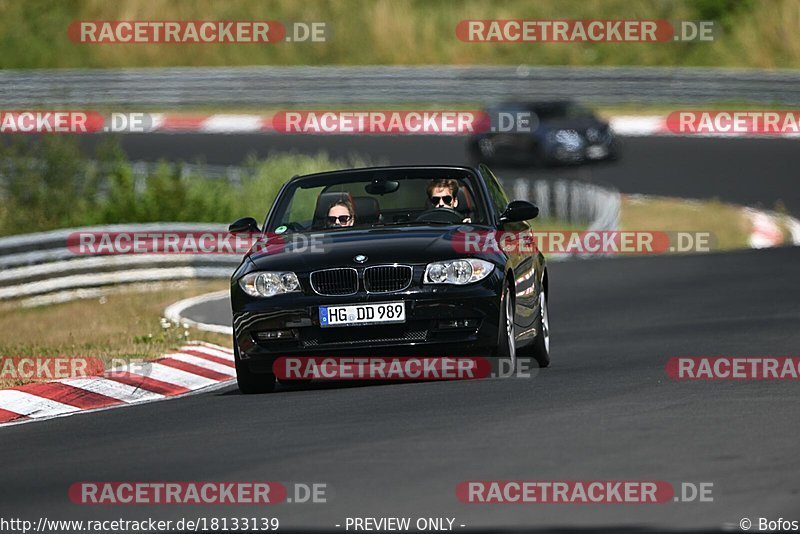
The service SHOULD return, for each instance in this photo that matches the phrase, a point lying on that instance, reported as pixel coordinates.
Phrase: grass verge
(124, 325)
(399, 32)
(727, 223)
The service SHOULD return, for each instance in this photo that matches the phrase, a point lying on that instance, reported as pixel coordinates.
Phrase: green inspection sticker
(280, 229)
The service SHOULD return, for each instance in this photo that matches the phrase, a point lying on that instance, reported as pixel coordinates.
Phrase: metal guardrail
(42, 263)
(579, 203)
(281, 86)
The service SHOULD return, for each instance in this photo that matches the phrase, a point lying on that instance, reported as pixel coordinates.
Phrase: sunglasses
(343, 219)
(447, 199)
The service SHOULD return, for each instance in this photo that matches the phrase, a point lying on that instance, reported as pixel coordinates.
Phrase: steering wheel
(445, 215)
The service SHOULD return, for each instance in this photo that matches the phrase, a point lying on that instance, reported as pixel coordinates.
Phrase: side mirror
(519, 210)
(245, 224)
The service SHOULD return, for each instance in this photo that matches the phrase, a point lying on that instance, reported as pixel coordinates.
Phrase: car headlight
(457, 272)
(569, 138)
(267, 284)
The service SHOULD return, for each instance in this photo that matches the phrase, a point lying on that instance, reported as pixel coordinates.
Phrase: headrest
(464, 205)
(367, 210)
(324, 202)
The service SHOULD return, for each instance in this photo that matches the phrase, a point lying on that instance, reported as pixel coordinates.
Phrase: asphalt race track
(605, 409)
(755, 172)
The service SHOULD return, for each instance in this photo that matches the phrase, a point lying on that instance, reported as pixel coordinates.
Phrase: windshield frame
(466, 175)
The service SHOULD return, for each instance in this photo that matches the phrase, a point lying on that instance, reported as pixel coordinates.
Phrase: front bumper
(440, 321)
(583, 151)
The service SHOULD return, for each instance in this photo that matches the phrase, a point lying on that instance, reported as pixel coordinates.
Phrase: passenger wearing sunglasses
(341, 213)
(443, 193)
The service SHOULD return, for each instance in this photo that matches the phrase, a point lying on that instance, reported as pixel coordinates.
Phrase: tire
(249, 382)
(540, 348)
(506, 346)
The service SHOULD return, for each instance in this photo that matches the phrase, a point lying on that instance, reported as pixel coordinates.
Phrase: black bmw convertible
(388, 261)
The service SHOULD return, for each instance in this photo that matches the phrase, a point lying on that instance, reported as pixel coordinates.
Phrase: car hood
(338, 248)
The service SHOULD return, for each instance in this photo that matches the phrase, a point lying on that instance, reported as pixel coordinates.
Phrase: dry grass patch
(728, 225)
(123, 325)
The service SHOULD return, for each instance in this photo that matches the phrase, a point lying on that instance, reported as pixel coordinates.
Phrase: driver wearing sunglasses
(341, 213)
(443, 193)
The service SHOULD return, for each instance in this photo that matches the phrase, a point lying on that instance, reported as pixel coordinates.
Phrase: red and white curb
(217, 123)
(766, 229)
(765, 232)
(192, 368)
(639, 126)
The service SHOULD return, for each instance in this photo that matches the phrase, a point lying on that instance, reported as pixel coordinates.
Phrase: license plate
(596, 152)
(360, 314)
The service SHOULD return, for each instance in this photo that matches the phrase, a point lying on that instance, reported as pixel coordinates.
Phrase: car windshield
(366, 200)
(560, 110)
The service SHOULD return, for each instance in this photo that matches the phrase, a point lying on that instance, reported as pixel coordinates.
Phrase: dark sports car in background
(543, 133)
(372, 262)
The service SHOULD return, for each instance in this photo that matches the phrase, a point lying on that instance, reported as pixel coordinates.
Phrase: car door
(525, 265)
